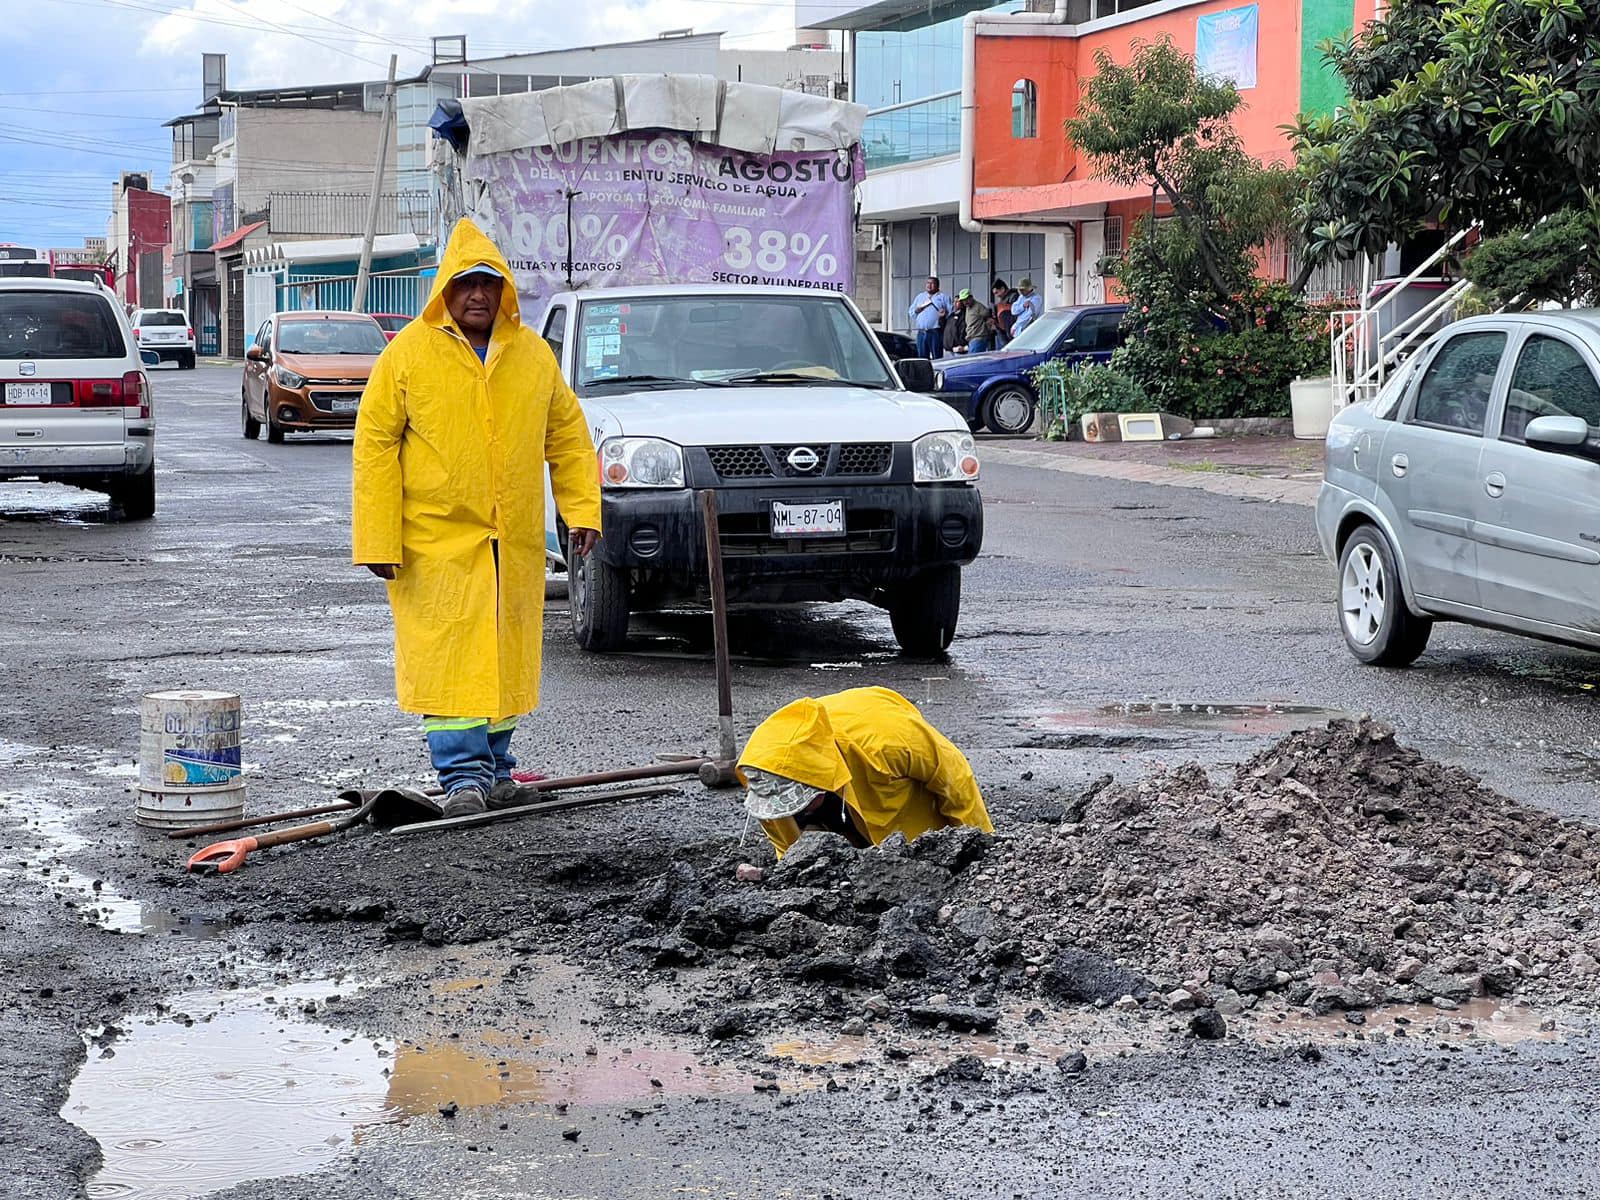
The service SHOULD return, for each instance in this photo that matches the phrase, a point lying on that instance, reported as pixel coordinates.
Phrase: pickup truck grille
(857, 459)
(749, 535)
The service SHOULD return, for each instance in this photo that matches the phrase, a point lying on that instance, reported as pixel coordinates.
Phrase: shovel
(387, 808)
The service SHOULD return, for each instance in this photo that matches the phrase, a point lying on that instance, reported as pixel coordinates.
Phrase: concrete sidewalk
(1275, 470)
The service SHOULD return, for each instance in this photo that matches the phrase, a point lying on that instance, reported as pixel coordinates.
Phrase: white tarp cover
(751, 117)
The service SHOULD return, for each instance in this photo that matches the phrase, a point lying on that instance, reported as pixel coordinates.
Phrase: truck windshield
(709, 341)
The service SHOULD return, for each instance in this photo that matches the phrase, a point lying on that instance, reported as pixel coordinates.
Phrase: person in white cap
(462, 412)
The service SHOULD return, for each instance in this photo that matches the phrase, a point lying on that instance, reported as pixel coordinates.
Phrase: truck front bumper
(892, 532)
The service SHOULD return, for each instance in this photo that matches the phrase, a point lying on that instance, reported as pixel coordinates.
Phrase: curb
(1301, 492)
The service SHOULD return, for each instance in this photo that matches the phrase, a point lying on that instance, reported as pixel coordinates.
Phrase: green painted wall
(1321, 89)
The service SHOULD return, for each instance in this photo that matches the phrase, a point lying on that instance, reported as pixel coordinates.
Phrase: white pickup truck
(834, 480)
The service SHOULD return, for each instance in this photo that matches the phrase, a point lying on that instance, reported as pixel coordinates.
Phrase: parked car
(391, 323)
(994, 391)
(74, 397)
(166, 331)
(1469, 489)
(896, 345)
(834, 481)
(305, 371)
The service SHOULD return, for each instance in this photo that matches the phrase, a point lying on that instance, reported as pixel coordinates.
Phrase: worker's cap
(480, 269)
(1025, 284)
(964, 294)
(771, 797)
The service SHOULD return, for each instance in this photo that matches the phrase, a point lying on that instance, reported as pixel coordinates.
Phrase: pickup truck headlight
(945, 458)
(287, 378)
(640, 462)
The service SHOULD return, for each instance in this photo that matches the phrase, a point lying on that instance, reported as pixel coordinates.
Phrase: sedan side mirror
(1561, 435)
(255, 354)
(916, 374)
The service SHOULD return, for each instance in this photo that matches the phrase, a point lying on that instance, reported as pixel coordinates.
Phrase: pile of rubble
(1338, 870)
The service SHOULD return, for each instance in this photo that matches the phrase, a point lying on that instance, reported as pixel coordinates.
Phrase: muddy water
(1268, 719)
(248, 1090)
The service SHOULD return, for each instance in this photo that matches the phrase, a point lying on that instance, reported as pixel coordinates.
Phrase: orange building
(1025, 76)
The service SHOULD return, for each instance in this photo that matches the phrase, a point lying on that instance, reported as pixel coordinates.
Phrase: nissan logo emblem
(804, 459)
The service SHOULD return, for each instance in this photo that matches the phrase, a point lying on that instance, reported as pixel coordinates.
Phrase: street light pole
(365, 270)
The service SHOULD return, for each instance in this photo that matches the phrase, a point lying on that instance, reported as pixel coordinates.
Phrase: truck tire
(186, 361)
(1010, 409)
(135, 495)
(924, 611)
(597, 596)
(1378, 627)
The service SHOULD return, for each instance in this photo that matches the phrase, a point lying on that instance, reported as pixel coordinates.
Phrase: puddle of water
(1504, 1022)
(249, 1090)
(1265, 719)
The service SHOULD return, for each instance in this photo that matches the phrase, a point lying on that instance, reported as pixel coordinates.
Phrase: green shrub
(1068, 391)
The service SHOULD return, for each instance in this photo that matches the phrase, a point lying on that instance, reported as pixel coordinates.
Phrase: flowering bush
(1198, 364)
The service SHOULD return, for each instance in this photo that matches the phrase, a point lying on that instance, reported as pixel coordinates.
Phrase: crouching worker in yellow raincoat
(462, 412)
(862, 763)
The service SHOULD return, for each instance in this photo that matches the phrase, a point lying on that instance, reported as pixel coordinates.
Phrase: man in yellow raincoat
(864, 764)
(462, 412)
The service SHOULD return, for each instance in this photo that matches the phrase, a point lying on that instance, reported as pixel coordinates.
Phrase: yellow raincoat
(449, 457)
(896, 772)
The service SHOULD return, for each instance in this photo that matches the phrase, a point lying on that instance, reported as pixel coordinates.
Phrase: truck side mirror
(916, 374)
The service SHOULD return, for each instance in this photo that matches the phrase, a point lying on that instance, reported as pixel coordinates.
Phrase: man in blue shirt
(1027, 308)
(929, 311)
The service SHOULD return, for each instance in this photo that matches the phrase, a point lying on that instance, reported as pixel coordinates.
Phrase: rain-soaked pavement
(156, 1040)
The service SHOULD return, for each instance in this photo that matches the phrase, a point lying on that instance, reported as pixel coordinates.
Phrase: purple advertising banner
(660, 208)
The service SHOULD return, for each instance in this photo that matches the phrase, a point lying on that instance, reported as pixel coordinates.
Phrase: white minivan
(166, 331)
(74, 396)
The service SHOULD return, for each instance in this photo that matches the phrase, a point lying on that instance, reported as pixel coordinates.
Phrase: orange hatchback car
(305, 372)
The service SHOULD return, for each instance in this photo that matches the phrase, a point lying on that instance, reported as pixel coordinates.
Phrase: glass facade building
(908, 74)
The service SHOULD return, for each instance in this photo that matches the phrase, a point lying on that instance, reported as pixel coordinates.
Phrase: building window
(1114, 242)
(1024, 109)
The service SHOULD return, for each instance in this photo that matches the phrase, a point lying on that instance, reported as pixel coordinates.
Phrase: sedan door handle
(1494, 483)
(1401, 464)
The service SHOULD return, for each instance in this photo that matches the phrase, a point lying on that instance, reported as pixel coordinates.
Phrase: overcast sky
(87, 83)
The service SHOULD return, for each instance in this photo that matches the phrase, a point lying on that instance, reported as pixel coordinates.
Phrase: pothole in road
(221, 1087)
(1261, 719)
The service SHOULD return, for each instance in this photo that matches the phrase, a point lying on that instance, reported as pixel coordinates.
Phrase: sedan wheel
(1364, 594)
(1010, 410)
(1378, 626)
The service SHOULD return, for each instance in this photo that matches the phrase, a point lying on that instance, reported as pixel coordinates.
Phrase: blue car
(994, 390)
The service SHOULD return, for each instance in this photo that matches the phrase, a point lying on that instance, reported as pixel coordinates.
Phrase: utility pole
(365, 270)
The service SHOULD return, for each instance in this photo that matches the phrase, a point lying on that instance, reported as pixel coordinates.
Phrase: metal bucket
(190, 770)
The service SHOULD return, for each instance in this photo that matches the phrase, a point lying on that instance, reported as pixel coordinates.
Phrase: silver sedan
(1469, 489)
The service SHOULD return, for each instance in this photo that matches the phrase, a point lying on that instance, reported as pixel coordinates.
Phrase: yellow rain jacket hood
(896, 772)
(449, 465)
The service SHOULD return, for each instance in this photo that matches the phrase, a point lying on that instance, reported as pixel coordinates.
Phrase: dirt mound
(1339, 869)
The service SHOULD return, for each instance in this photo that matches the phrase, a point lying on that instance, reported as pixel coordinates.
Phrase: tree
(1556, 261)
(1156, 123)
(1460, 112)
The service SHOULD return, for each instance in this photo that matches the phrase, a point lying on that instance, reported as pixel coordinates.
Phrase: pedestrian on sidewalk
(974, 323)
(462, 412)
(1027, 308)
(1000, 318)
(930, 312)
(864, 764)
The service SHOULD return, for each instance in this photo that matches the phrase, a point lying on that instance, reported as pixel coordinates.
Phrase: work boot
(508, 793)
(463, 802)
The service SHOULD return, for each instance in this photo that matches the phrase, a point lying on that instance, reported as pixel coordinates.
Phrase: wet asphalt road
(1092, 595)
